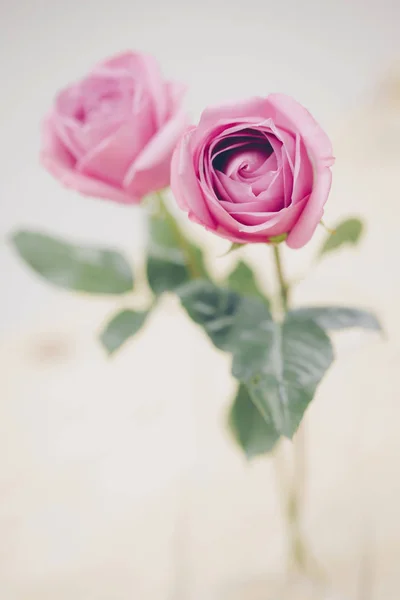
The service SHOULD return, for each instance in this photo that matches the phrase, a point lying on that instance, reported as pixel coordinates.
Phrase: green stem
(181, 581)
(294, 495)
(284, 288)
(183, 243)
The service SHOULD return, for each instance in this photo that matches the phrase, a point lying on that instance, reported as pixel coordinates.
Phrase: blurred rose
(112, 134)
(253, 170)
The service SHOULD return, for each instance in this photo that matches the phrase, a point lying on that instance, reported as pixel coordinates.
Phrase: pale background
(101, 461)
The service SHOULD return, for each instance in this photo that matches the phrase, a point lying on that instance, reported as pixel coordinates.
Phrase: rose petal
(253, 218)
(263, 232)
(270, 207)
(175, 92)
(84, 116)
(287, 178)
(66, 104)
(151, 170)
(125, 60)
(218, 213)
(176, 187)
(155, 85)
(68, 132)
(281, 222)
(230, 190)
(60, 163)
(290, 113)
(276, 224)
(253, 108)
(307, 223)
(220, 130)
(146, 69)
(207, 153)
(293, 116)
(303, 173)
(184, 183)
(268, 167)
(112, 158)
(262, 183)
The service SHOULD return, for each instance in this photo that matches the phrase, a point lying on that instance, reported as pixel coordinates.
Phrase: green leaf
(165, 275)
(346, 233)
(235, 323)
(251, 338)
(122, 326)
(287, 370)
(338, 317)
(79, 268)
(198, 259)
(243, 281)
(172, 259)
(252, 432)
(212, 307)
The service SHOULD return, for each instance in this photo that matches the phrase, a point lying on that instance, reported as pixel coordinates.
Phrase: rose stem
(181, 586)
(283, 284)
(295, 494)
(182, 242)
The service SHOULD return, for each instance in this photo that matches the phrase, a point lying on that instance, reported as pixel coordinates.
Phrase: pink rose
(254, 170)
(112, 134)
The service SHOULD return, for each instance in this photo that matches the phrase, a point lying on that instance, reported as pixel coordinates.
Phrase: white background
(93, 454)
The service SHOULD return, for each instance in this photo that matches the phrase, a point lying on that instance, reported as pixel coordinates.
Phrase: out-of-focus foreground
(117, 478)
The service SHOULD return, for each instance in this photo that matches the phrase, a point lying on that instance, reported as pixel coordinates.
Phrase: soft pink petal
(219, 130)
(254, 108)
(304, 228)
(277, 224)
(60, 163)
(146, 69)
(111, 159)
(291, 115)
(230, 190)
(156, 87)
(219, 214)
(151, 169)
(68, 132)
(85, 117)
(287, 178)
(303, 173)
(229, 141)
(89, 136)
(175, 92)
(184, 183)
(66, 104)
(270, 207)
(176, 179)
(255, 218)
(236, 236)
(261, 234)
(267, 167)
(126, 60)
(263, 183)
(280, 222)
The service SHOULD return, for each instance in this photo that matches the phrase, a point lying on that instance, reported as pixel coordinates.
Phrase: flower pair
(250, 171)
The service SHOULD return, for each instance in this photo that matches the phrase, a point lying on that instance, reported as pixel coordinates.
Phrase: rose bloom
(254, 170)
(112, 134)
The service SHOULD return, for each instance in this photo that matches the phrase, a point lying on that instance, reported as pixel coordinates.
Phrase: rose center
(98, 108)
(242, 156)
